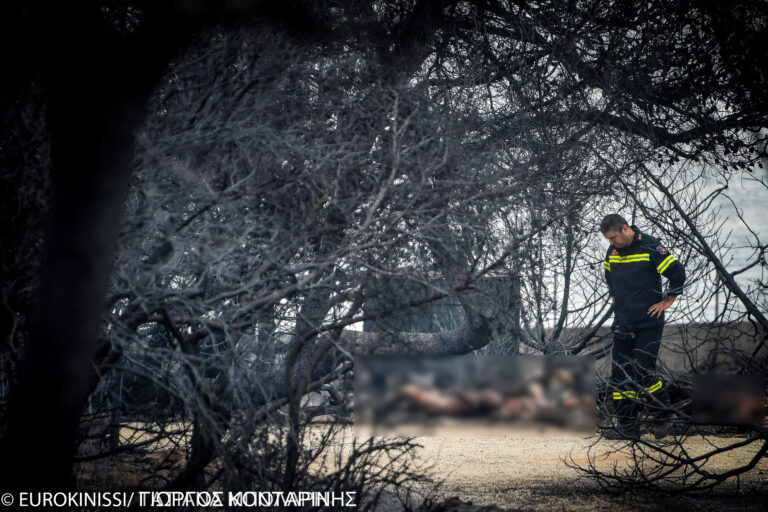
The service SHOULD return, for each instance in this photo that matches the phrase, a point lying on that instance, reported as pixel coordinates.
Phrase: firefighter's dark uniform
(634, 275)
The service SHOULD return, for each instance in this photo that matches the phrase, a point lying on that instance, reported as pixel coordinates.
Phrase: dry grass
(517, 470)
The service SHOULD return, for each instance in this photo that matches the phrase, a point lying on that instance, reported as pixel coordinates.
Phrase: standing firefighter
(633, 266)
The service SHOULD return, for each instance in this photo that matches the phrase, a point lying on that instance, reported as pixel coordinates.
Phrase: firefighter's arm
(657, 309)
(676, 275)
(668, 266)
(607, 272)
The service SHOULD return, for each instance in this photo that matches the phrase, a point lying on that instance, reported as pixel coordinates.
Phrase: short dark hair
(612, 222)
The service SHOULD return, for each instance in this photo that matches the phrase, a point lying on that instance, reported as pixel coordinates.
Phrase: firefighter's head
(616, 230)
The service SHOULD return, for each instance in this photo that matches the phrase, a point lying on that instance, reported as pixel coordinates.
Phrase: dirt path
(524, 470)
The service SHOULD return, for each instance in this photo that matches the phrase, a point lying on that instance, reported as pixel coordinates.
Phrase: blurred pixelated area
(728, 399)
(414, 395)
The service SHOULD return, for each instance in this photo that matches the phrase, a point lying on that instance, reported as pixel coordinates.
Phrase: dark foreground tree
(91, 75)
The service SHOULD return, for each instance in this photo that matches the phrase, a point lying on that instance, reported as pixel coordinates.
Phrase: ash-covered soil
(526, 470)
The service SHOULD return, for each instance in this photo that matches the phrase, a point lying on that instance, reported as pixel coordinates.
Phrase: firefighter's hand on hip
(657, 309)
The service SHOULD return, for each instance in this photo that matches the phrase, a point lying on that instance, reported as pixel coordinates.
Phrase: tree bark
(97, 83)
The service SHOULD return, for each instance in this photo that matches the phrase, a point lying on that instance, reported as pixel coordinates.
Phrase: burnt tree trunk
(97, 81)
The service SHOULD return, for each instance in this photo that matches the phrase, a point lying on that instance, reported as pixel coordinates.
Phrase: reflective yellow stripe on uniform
(629, 258)
(666, 263)
(607, 266)
(619, 395)
(654, 388)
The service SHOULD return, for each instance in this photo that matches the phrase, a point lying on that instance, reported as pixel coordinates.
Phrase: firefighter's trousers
(633, 370)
